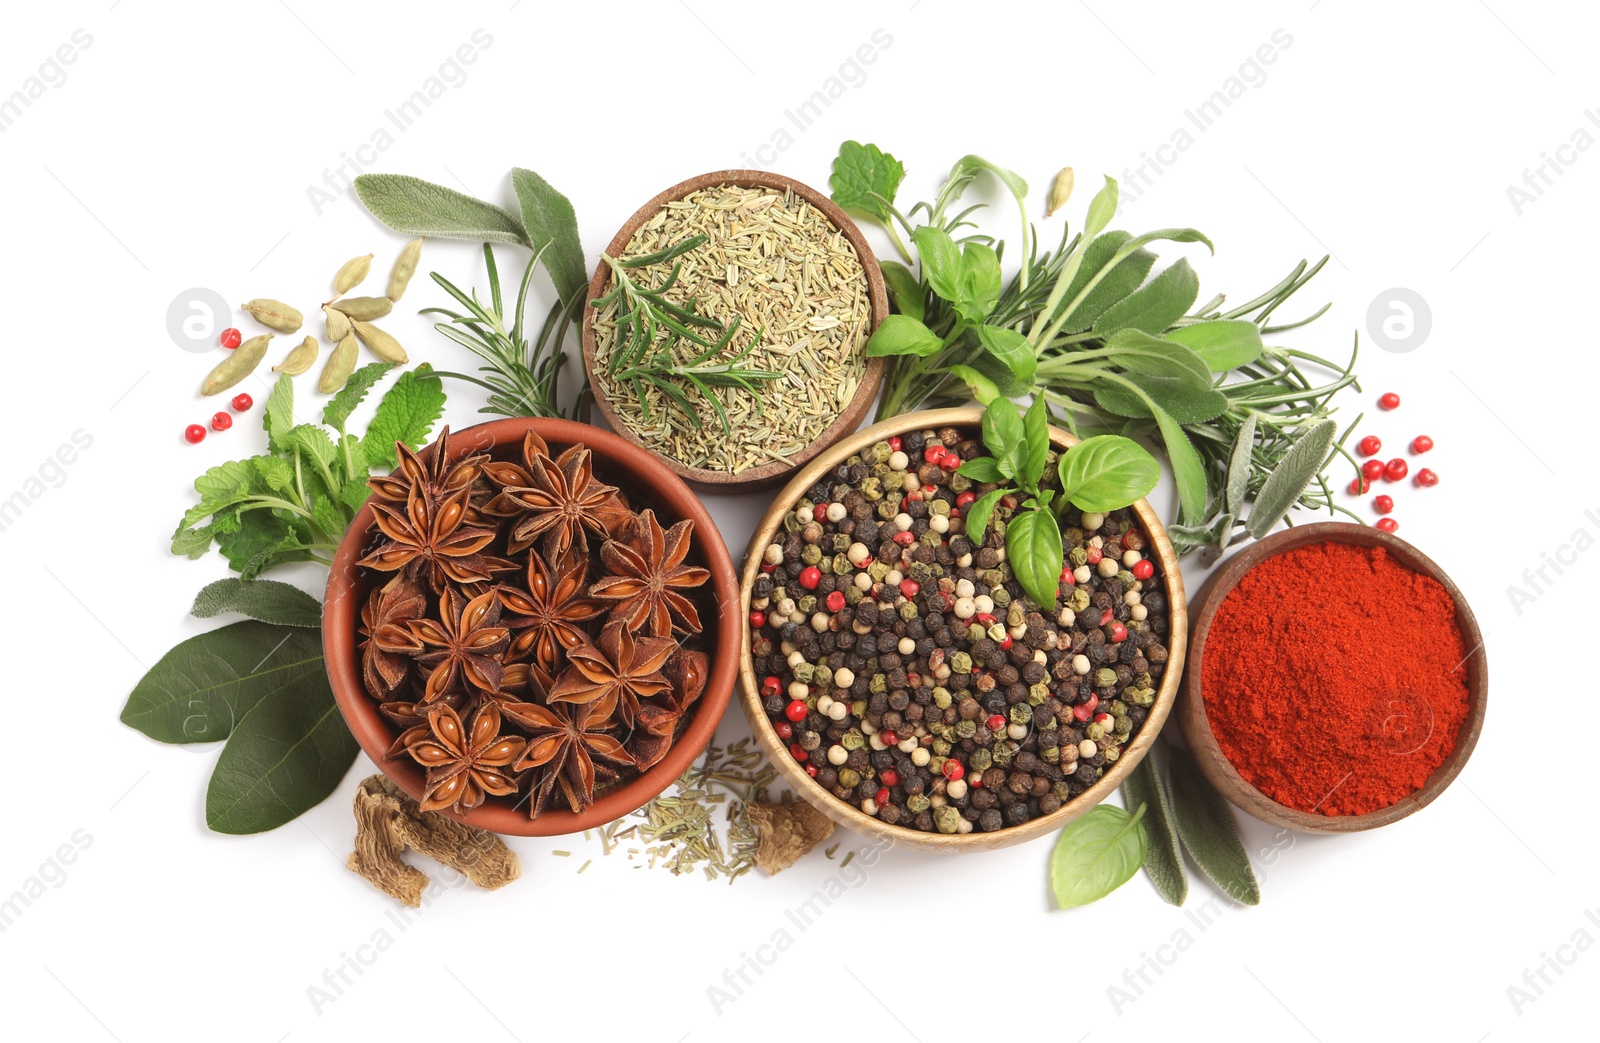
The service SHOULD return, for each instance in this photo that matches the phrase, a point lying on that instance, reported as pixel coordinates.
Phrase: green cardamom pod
(350, 274)
(338, 324)
(299, 358)
(365, 308)
(340, 365)
(275, 315)
(384, 346)
(405, 266)
(1060, 191)
(240, 363)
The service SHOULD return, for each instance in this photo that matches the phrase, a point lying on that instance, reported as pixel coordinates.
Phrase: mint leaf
(406, 414)
(417, 207)
(862, 174)
(342, 404)
(263, 539)
(263, 599)
(552, 231)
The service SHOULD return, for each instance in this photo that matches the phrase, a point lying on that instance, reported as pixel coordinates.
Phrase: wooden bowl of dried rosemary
(727, 326)
(521, 645)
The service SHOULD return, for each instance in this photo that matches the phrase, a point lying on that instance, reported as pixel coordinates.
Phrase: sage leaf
(904, 289)
(1163, 862)
(1208, 830)
(978, 514)
(1033, 548)
(1156, 305)
(1223, 344)
(941, 261)
(337, 412)
(201, 688)
(1096, 854)
(1036, 441)
(865, 179)
(1179, 397)
(1140, 352)
(903, 335)
(417, 207)
(1239, 465)
(1011, 348)
(1188, 470)
(551, 227)
(981, 469)
(284, 758)
(1107, 472)
(263, 599)
(1289, 479)
(406, 414)
(1116, 284)
(983, 389)
(277, 415)
(979, 289)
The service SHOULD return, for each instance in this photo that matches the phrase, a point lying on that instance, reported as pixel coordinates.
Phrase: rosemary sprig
(651, 330)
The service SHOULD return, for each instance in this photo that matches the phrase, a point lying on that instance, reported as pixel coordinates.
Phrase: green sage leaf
(865, 179)
(263, 599)
(1163, 863)
(979, 513)
(1188, 470)
(1289, 479)
(344, 402)
(1118, 283)
(1240, 465)
(406, 414)
(1208, 830)
(1179, 396)
(1096, 854)
(1036, 441)
(1011, 348)
(1035, 553)
(941, 261)
(551, 227)
(417, 207)
(904, 289)
(903, 335)
(1139, 352)
(1156, 305)
(1107, 472)
(1223, 344)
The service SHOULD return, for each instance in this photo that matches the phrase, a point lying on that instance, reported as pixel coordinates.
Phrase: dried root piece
(785, 832)
(388, 822)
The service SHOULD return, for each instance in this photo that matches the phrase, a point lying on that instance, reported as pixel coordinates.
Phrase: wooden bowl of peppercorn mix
(994, 752)
(1336, 681)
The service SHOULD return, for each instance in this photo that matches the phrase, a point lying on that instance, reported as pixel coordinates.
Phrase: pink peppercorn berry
(231, 338)
(1426, 478)
(194, 433)
(1388, 524)
(1383, 504)
(1372, 470)
(810, 576)
(242, 402)
(1389, 401)
(1395, 470)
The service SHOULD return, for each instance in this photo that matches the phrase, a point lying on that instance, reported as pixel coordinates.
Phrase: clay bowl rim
(342, 610)
(767, 475)
(1192, 709)
(848, 815)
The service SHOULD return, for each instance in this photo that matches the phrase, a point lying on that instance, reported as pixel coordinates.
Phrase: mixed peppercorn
(906, 669)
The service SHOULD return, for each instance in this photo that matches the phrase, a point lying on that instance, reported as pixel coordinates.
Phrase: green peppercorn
(941, 748)
(1003, 752)
(939, 507)
(894, 481)
(1078, 556)
(981, 759)
(849, 777)
(1105, 677)
(1050, 754)
(1038, 693)
(811, 554)
(1079, 600)
(947, 819)
(908, 610)
(1002, 599)
(804, 672)
(959, 482)
(961, 663)
(1020, 714)
(1094, 732)
(966, 729)
(1111, 753)
(807, 604)
(871, 490)
(879, 684)
(852, 594)
(1125, 578)
(918, 804)
(878, 453)
(853, 739)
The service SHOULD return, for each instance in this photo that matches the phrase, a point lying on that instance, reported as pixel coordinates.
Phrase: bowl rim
(852, 817)
(773, 472)
(1196, 725)
(342, 611)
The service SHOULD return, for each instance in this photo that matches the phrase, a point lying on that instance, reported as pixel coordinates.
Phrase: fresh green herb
(1096, 854)
(551, 227)
(1209, 833)
(1107, 472)
(262, 599)
(1163, 863)
(417, 207)
(865, 180)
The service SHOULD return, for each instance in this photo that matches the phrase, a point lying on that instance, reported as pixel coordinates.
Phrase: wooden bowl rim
(848, 815)
(1192, 709)
(342, 611)
(769, 474)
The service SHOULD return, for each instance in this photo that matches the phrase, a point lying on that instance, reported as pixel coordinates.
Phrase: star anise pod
(508, 475)
(432, 538)
(545, 618)
(464, 765)
(615, 673)
(465, 643)
(436, 478)
(388, 645)
(652, 735)
(687, 673)
(648, 576)
(562, 504)
(563, 746)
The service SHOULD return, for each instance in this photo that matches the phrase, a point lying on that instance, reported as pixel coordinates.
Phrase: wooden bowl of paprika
(1336, 680)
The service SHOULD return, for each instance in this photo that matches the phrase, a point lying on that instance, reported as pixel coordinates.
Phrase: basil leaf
(417, 207)
(1096, 854)
(861, 175)
(1011, 348)
(902, 335)
(1139, 352)
(1003, 435)
(983, 389)
(1156, 305)
(1302, 463)
(979, 289)
(1034, 550)
(1163, 863)
(1036, 441)
(1208, 830)
(904, 289)
(941, 261)
(1239, 465)
(1107, 472)
(345, 401)
(1001, 376)
(551, 228)
(277, 416)
(1188, 470)
(406, 414)
(1118, 283)
(1223, 344)
(263, 599)
(981, 469)
(978, 514)
(284, 758)
(203, 686)
(1182, 400)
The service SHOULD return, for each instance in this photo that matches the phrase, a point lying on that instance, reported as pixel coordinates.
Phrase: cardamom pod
(384, 346)
(240, 363)
(350, 274)
(299, 358)
(365, 308)
(340, 365)
(1060, 191)
(275, 315)
(338, 324)
(405, 266)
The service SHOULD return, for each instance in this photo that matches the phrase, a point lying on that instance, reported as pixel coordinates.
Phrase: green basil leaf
(979, 290)
(1184, 402)
(1156, 305)
(1188, 470)
(1035, 553)
(417, 207)
(344, 402)
(203, 686)
(1107, 472)
(861, 174)
(967, 167)
(904, 289)
(1223, 344)
(1096, 854)
(902, 335)
(1011, 348)
(1139, 352)
(406, 414)
(1163, 863)
(1302, 463)
(1208, 830)
(1118, 283)
(284, 758)
(981, 469)
(552, 233)
(263, 599)
(1001, 376)
(1036, 439)
(941, 261)
(978, 514)
(277, 416)
(1240, 465)
(1002, 429)
(983, 388)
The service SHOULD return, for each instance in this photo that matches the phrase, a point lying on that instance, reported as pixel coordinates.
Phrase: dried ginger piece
(785, 832)
(388, 822)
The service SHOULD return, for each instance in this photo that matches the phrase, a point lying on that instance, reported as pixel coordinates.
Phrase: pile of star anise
(531, 639)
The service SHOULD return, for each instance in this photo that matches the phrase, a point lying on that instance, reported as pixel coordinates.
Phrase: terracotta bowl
(769, 474)
(648, 484)
(852, 817)
(1192, 705)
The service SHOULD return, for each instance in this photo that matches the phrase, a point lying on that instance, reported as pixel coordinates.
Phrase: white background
(179, 152)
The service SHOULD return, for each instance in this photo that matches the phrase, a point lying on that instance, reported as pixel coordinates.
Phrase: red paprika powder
(1334, 678)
